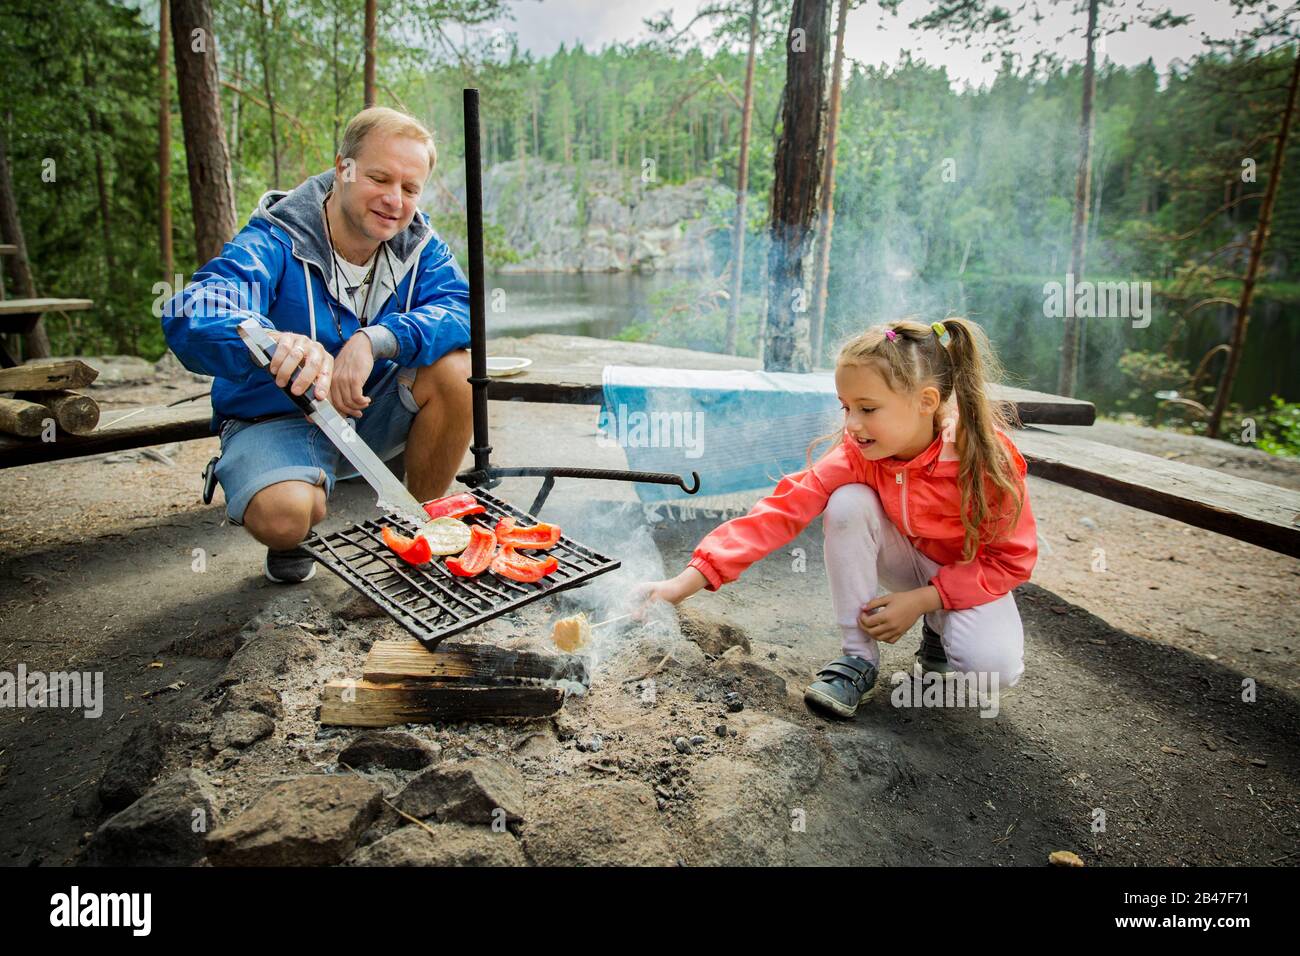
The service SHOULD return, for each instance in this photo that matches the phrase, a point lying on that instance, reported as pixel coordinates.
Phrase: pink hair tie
(891, 334)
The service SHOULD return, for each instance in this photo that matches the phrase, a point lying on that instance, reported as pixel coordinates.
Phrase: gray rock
(713, 636)
(267, 655)
(240, 728)
(470, 791)
(628, 224)
(133, 768)
(604, 824)
(734, 701)
(354, 606)
(683, 746)
(165, 827)
(308, 821)
(393, 749)
(744, 803)
(253, 697)
(455, 844)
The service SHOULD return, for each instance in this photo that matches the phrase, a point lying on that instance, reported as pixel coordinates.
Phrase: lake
(1011, 311)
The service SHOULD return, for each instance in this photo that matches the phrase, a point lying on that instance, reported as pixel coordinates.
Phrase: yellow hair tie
(939, 330)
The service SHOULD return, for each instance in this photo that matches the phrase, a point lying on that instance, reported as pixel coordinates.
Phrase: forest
(935, 182)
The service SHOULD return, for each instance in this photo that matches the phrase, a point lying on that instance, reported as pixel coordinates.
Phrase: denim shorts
(292, 448)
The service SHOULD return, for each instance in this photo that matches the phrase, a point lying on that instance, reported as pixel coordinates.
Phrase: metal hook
(695, 477)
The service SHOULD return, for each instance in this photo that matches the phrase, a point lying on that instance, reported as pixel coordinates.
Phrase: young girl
(924, 495)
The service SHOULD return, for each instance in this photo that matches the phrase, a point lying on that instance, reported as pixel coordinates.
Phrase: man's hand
(352, 367)
(889, 616)
(298, 351)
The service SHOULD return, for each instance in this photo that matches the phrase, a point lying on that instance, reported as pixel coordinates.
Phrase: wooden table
(21, 315)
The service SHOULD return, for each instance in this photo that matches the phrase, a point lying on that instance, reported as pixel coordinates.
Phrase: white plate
(502, 366)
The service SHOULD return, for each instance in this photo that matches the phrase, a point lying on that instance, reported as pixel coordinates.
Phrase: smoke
(618, 530)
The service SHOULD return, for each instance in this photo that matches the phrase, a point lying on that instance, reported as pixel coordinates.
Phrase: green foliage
(938, 186)
(1277, 428)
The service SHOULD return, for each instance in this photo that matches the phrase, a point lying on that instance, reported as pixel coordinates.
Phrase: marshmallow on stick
(571, 633)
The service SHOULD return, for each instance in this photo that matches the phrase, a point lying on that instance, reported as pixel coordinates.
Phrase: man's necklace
(368, 281)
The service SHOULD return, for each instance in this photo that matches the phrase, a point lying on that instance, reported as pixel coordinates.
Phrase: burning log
(404, 683)
(361, 703)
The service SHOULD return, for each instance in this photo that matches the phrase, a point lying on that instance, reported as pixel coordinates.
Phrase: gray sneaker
(841, 686)
(931, 658)
(289, 567)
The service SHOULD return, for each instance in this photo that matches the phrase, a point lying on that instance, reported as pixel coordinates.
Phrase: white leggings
(866, 556)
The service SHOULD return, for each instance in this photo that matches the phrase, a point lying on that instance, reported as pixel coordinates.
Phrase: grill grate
(431, 602)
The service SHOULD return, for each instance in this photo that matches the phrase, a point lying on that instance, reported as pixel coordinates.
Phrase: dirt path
(1131, 705)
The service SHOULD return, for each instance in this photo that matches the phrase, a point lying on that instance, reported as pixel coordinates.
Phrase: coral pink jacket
(922, 499)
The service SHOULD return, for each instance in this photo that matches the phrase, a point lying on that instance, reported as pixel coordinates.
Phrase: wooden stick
(612, 620)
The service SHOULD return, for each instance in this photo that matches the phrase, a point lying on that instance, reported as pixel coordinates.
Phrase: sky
(875, 38)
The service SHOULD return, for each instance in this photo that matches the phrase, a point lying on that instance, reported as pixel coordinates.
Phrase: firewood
(75, 414)
(362, 703)
(47, 374)
(25, 419)
(466, 663)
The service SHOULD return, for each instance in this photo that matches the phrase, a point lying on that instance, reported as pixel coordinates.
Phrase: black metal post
(477, 299)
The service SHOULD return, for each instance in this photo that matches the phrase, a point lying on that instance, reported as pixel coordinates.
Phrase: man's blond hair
(385, 122)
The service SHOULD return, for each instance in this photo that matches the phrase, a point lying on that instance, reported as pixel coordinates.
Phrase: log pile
(43, 396)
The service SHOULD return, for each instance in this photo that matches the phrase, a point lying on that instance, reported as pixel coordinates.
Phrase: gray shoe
(931, 658)
(289, 567)
(841, 686)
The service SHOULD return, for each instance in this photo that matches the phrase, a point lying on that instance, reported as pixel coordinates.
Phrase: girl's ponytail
(987, 475)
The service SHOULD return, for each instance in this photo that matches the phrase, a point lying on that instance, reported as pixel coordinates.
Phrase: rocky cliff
(558, 218)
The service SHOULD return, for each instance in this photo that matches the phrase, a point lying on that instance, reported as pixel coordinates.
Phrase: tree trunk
(742, 189)
(35, 344)
(370, 53)
(111, 282)
(795, 185)
(1258, 241)
(1079, 244)
(334, 71)
(165, 143)
(822, 272)
(207, 161)
(268, 90)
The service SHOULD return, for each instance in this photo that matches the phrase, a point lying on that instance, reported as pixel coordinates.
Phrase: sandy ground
(1132, 703)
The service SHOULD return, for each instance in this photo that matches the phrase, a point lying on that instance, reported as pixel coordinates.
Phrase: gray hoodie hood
(299, 213)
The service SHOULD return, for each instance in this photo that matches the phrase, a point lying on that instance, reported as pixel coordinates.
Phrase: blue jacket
(279, 270)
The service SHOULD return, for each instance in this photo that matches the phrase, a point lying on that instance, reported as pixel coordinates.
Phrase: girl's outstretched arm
(725, 553)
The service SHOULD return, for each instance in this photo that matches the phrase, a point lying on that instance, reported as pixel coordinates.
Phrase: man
(366, 302)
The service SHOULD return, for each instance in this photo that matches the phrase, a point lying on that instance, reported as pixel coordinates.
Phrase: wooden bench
(1261, 514)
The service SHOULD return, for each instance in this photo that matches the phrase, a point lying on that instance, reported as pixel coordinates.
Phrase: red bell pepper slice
(536, 536)
(410, 550)
(476, 558)
(454, 506)
(510, 564)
